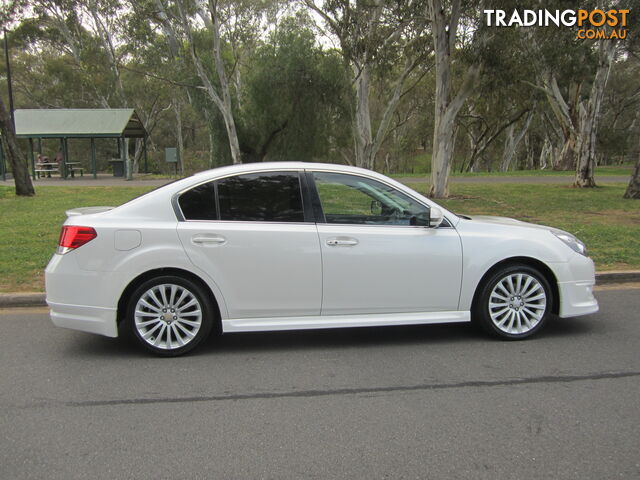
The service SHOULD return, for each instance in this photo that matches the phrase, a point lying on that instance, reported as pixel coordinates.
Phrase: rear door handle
(342, 242)
(204, 239)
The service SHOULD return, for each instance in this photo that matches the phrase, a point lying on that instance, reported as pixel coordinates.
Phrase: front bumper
(576, 298)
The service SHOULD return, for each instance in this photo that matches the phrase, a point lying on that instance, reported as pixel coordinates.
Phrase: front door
(378, 255)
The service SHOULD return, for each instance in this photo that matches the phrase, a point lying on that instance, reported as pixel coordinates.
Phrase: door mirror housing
(436, 217)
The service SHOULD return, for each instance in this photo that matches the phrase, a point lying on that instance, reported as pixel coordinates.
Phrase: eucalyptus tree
(376, 37)
(448, 37)
(21, 177)
(232, 21)
(295, 96)
(573, 75)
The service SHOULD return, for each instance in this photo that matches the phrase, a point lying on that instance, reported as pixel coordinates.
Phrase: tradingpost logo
(592, 24)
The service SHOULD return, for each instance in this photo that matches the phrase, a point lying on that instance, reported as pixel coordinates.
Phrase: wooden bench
(46, 169)
(73, 167)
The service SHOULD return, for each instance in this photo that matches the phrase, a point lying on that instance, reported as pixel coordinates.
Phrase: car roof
(265, 166)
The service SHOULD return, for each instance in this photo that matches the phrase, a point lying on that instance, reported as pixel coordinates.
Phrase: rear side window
(261, 197)
(199, 203)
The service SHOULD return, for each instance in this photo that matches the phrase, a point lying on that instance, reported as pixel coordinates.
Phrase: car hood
(510, 221)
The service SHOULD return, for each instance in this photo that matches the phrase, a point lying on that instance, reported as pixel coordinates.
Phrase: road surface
(406, 402)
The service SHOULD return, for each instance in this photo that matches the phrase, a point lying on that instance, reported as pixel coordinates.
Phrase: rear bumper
(87, 319)
(81, 299)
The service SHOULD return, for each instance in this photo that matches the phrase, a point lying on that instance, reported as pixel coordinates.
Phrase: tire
(514, 302)
(170, 315)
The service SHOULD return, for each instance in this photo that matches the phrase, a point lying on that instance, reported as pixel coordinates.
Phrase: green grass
(29, 228)
(600, 171)
(610, 225)
(607, 223)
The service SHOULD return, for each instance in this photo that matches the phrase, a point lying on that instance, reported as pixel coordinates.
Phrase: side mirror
(436, 217)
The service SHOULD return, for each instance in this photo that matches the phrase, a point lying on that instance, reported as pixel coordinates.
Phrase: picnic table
(46, 168)
(73, 167)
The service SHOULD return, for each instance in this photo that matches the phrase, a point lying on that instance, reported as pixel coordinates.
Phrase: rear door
(251, 234)
(378, 255)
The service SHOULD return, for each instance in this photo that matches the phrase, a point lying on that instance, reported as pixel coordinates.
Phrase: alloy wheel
(168, 316)
(517, 303)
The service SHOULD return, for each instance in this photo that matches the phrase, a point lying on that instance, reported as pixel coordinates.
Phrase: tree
(374, 36)
(633, 190)
(183, 18)
(294, 96)
(21, 177)
(444, 26)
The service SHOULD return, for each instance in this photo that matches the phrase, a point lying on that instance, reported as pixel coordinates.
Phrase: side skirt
(341, 321)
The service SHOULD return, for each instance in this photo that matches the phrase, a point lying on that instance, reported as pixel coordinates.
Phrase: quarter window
(351, 199)
(199, 203)
(265, 197)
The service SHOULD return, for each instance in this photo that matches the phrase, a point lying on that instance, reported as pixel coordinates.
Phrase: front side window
(261, 197)
(350, 199)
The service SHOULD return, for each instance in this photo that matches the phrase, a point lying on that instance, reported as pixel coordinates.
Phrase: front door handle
(208, 239)
(342, 242)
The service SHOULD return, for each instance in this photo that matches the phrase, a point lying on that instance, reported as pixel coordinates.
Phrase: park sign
(171, 155)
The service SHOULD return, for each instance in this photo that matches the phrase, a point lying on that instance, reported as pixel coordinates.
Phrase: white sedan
(288, 246)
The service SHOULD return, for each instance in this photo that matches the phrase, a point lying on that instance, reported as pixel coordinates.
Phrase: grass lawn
(607, 223)
(600, 171)
(610, 225)
(29, 228)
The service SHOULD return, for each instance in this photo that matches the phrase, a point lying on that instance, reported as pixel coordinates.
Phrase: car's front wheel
(514, 302)
(170, 315)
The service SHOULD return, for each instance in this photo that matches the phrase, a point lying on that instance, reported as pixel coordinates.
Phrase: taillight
(72, 237)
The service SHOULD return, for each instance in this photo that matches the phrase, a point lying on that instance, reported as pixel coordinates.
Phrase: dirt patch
(612, 217)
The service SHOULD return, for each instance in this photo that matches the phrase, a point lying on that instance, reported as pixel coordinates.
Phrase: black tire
(492, 317)
(170, 322)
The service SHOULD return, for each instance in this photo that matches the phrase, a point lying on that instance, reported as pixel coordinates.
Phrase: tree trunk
(633, 190)
(446, 109)
(512, 141)
(363, 136)
(589, 113)
(21, 177)
(180, 138)
(128, 168)
(227, 111)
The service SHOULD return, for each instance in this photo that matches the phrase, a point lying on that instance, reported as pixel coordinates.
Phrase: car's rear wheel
(514, 303)
(170, 315)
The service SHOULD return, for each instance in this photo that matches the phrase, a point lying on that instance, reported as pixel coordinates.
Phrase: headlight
(572, 242)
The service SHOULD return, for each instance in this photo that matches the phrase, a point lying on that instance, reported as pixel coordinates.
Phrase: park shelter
(89, 123)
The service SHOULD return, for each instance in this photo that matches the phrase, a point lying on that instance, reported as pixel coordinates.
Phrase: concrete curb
(606, 278)
(11, 300)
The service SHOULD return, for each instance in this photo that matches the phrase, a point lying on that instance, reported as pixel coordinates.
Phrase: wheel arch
(530, 262)
(179, 272)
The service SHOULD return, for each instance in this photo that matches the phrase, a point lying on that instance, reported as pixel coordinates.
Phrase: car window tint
(261, 197)
(360, 200)
(199, 203)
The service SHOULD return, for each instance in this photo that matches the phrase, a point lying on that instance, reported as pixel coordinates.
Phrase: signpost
(171, 156)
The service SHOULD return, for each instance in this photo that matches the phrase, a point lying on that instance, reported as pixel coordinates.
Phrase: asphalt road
(407, 402)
